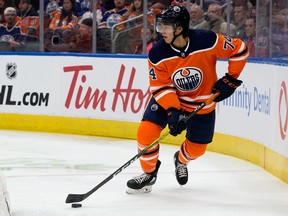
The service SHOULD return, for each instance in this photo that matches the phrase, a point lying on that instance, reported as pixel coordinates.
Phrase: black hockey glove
(226, 86)
(176, 121)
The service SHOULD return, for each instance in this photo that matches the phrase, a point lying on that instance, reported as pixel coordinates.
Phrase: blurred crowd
(69, 26)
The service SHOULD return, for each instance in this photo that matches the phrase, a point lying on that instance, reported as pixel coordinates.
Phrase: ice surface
(42, 169)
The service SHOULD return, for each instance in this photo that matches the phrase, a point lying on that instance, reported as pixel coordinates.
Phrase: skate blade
(146, 189)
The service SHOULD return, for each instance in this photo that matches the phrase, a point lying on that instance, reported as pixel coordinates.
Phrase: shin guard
(147, 133)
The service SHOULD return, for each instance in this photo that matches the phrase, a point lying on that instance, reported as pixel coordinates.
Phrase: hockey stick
(72, 198)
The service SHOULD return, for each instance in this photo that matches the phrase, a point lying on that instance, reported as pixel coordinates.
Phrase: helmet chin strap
(175, 36)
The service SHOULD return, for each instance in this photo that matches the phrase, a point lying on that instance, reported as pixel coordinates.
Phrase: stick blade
(72, 198)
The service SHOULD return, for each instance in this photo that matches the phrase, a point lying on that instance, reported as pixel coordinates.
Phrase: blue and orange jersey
(185, 78)
(17, 33)
(112, 17)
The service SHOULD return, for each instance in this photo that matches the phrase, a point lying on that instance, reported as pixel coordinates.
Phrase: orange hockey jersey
(65, 24)
(185, 78)
(32, 22)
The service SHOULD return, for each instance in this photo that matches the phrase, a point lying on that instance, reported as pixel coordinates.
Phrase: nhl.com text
(28, 98)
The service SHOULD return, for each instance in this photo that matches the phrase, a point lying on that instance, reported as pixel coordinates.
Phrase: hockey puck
(76, 205)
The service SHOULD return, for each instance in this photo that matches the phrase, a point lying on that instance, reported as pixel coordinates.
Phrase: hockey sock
(190, 151)
(147, 133)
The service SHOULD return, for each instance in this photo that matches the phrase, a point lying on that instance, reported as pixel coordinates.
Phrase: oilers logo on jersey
(187, 79)
(113, 19)
(7, 38)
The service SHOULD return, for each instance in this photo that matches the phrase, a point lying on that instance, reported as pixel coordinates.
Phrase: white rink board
(120, 88)
(241, 115)
(255, 110)
(117, 84)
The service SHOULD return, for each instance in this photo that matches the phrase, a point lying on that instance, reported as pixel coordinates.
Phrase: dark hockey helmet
(177, 15)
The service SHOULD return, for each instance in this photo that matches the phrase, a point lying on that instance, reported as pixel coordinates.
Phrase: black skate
(181, 170)
(144, 182)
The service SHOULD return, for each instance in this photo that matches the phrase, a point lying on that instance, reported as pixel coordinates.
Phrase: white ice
(42, 169)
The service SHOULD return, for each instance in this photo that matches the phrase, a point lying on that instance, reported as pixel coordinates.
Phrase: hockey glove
(176, 121)
(226, 86)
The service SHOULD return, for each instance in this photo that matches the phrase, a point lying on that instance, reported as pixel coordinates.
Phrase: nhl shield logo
(11, 70)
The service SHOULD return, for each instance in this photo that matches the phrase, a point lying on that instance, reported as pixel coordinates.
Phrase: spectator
(29, 17)
(250, 7)
(25, 8)
(82, 7)
(253, 2)
(252, 11)
(2, 8)
(214, 18)
(35, 3)
(135, 10)
(86, 5)
(206, 3)
(262, 47)
(285, 33)
(150, 37)
(65, 18)
(197, 20)
(240, 15)
(51, 7)
(279, 32)
(250, 33)
(100, 10)
(3, 5)
(12, 31)
(77, 40)
(112, 17)
(278, 5)
(83, 42)
(224, 29)
(133, 26)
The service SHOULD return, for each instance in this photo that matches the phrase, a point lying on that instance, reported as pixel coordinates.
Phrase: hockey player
(182, 73)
